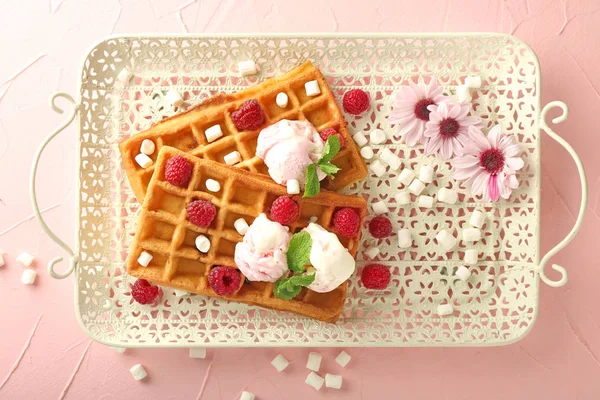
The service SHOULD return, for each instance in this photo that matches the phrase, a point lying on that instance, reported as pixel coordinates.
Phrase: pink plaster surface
(42, 46)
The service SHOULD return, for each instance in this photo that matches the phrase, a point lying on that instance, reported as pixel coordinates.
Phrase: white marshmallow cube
(477, 219)
(175, 98)
(124, 76)
(343, 359)
(315, 381)
(233, 158)
(470, 257)
(144, 258)
(314, 361)
(360, 139)
(380, 208)
(293, 186)
(202, 243)
(402, 198)
(446, 240)
(426, 174)
(312, 88)
(425, 201)
(247, 67)
(180, 293)
(143, 160)
(473, 82)
(280, 363)
(313, 219)
(378, 168)
(26, 259)
(333, 381)
(377, 136)
(213, 133)
(406, 176)
(448, 196)
(390, 159)
(212, 185)
(120, 350)
(148, 147)
(28, 277)
(416, 187)
(241, 226)
(463, 273)
(197, 352)
(471, 234)
(464, 94)
(372, 252)
(404, 239)
(247, 396)
(367, 152)
(445, 309)
(138, 372)
(281, 100)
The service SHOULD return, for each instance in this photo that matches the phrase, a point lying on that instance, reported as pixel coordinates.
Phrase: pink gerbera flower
(489, 164)
(413, 104)
(446, 131)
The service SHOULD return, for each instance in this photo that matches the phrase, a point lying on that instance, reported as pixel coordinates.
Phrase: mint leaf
(288, 288)
(332, 147)
(329, 168)
(302, 280)
(298, 252)
(313, 186)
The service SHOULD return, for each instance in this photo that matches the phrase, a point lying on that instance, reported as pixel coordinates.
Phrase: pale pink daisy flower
(489, 164)
(413, 104)
(446, 131)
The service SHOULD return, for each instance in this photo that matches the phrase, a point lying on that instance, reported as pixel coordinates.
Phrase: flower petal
(467, 160)
(478, 139)
(462, 174)
(511, 150)
(514, 163)
(480, 182)
(493, 190)
(494, 136)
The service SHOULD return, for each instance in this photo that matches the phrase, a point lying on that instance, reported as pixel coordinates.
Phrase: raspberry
(143, 292)
(325, 133)
(200, 212)
(380, 227)
(284, 210)
(225, 281)
(375, 276)
(178, 171)
(249, 117)
(356, 101)
(347, 222)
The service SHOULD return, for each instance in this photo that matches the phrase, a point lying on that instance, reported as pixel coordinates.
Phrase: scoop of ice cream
(261, 255)
(331, 260)
(288, 147)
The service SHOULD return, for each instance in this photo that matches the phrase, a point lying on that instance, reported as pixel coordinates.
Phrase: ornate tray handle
(74, 108)
(544, 125)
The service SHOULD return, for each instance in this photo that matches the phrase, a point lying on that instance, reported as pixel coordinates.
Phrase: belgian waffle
(165, 232)
(185, 131)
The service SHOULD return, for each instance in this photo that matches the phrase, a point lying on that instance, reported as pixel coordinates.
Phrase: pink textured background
(559, 358)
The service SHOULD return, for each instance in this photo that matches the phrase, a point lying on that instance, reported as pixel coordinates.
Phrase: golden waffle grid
(166, 233)
(185, 131)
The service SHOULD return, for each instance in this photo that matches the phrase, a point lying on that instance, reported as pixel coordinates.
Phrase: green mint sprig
(313, 186)
(297, 255)
(288, 288)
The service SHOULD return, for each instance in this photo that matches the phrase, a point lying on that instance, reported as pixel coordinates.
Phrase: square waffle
(165, 232)
(185, 131)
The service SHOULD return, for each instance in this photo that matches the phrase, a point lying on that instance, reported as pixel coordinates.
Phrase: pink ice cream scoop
(288, 147)
(261, 255)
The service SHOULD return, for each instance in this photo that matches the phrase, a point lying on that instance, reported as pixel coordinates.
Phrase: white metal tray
(498, 305)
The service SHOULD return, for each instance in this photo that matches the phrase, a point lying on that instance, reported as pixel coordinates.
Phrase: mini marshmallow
(448, 196)
(360, 139)
(343, 359)
(473, 82)
(313, 219)
(404, 238)
(463, 273)
(380, 208)
(426, 174)
(314, 361)
(175, 98)
(445, 309)
(213, 133)
(402, 198)
(464, 94)
(120, 350)
(425, 201)
(143, 160)
(124, 76)
(477, 219)
(197, 352)
(247, 396)
(280, 363)
(212, 185)
(333, 381)
(367, 152)
(315, 381)
(446, 240)
(406, 177)
(372, 252)
(471, 234)
(282, 100)
(26, 259)
(233, 158)
(377, 136)
(470, 257)
(247, 67)
(416, 187)
(293, 186)
(202, 243)
(144, 258)
(138, 372)
(180, 293)
(378, 168)
(312, 88)
(28, 277)
(390, 159)
(148, 147)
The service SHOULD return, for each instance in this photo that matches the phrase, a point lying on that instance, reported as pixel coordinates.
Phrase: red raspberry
(375, 276)
(380, 227)
(347, 222)
(143, 292)
(356, 101)
(201, 212)
(225, 281)
(249, 117)
(178, 171)
(325, 133)
(284, 210)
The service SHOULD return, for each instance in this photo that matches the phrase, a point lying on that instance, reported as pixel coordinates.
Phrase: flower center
(492, 161)
(449, 128)
(421, 110)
